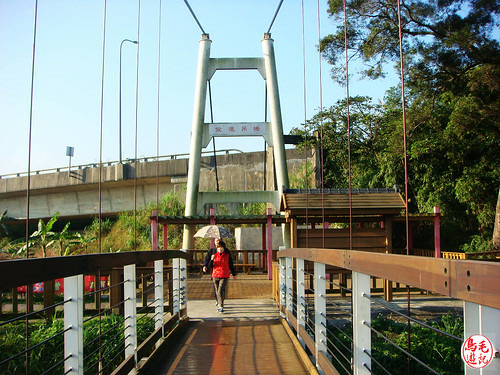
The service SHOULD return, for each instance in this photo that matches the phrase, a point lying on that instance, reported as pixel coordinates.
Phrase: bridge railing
(114, 162)
(347, 334)
(101, 328)
(244, 260)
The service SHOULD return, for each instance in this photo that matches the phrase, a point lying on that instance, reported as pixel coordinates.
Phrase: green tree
(442, 39)
(452, 76)
(329, 131)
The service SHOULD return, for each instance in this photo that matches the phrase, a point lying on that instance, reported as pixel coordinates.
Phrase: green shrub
(439, 352)
(48, 354)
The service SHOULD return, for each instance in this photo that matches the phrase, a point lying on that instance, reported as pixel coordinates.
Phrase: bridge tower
(203, 132)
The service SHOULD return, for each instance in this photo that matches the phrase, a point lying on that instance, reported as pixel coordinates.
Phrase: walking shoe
(220, 309)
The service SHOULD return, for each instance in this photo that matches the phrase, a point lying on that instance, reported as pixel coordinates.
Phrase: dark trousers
(220, 290)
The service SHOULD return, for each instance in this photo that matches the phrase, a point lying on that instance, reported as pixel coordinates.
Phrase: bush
(439, 352)
(43, 357)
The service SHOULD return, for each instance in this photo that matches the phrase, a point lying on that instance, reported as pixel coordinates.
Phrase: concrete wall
(251, 238)
(77, 194)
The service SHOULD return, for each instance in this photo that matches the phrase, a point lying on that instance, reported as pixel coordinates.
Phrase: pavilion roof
(315, 202)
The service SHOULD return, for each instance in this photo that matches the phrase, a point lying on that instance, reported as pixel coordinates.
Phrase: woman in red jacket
(222, 267)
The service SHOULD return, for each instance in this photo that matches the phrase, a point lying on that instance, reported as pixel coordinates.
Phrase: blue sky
(67, 85)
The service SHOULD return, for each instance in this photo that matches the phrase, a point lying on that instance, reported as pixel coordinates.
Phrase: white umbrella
(213, 231)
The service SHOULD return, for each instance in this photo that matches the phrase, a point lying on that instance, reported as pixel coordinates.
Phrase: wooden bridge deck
(248, 338)
(253, 286)
(231, 347)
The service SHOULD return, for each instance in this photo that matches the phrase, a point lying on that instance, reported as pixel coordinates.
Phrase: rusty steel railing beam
(472, 281)
(29, 271)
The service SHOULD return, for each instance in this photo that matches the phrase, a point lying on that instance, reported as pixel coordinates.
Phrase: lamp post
(120, 98)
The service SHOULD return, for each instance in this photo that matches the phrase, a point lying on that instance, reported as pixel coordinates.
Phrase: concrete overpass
(76, 194)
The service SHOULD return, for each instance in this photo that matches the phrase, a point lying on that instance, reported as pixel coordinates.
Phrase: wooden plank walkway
(248, 338)
(232, 347)
(253, 286)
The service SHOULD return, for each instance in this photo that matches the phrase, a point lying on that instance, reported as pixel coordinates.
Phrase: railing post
(154, 230)
(179, 276)
(320, 310)
(437, 233)
(130, 321)
(165, 237)
(159, 301)
(212, 222)
(73, 325)
(289, 284)
(282, 263)
(301, 296)
(361, 315)
(483, 320)
(269, 244)
(182, 282)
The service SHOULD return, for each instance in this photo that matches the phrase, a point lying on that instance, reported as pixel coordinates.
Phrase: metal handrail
(116, 162)
(473, 282)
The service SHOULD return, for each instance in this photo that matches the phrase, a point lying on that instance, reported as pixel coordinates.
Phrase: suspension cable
(403, 104)
(28, 187)
(321, 130)
(136, 121)
(275, 15)
(305, 120)
(348, 123)
(158, 114)
(100, 162)
(194, 16)
(102, 119)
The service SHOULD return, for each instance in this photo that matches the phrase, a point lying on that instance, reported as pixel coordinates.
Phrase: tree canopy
(452, 90)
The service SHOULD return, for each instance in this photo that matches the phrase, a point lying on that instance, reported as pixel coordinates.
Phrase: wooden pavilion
(321, 218)
(317, 218)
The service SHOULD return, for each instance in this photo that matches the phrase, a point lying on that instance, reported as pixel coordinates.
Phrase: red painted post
(212, 222)
(410, 238)
(269, 244)
(263, 263)
(437, 233)
(154, 230)
(165, 237)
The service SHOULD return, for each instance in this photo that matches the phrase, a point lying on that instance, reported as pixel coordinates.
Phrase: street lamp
(120, 98)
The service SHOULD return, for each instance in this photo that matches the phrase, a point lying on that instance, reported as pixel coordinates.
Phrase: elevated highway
(124, 186)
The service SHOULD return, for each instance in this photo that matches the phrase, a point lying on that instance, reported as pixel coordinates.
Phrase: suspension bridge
(308, 307)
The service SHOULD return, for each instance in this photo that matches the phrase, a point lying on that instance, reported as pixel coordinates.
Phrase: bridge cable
(348, 123)
(28, 188)
(30, 131)
(213, 138)
(194, 16)
(305, 119)
(158, 114)
(274, 18)
(321, 128)
(101, 123)
(136, 120)
(100, 171)
(407, 222)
